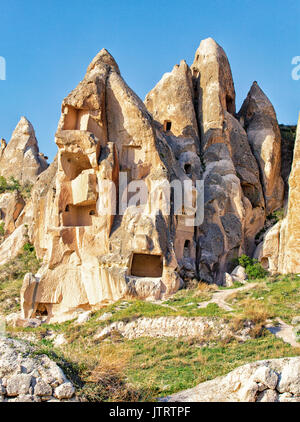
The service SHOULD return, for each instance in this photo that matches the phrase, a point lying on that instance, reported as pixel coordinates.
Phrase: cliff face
(186, 131)
(289, 252)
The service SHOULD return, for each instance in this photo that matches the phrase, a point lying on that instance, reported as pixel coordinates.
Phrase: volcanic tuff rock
(289, 251)
(186, 131)
(11, 205)
(259, 119)
(275, 380)
(20, 158)
(279, 252)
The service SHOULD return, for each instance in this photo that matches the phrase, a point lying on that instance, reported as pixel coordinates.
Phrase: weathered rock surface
(11, 205)
(21, 158)
(275, 380)
(187, 131)
(198, 327)
(259, 119)
(289, 250)
(24, 378)
(233, 200)
(13, 245)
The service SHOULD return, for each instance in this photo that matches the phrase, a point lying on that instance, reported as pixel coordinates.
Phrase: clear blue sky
(48, 45)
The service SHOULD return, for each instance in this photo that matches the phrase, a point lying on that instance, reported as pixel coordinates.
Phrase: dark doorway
(187, 249)
(188, 169)
(167, 125)
(144, 265)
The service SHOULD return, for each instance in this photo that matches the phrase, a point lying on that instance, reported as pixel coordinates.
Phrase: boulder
(239, 274)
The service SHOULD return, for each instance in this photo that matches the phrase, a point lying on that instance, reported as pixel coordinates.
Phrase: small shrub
(3, 184)
(253, 268)
(2, 230)
(28, 247)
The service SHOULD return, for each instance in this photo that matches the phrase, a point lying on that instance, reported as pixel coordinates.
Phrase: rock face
(96, 246)
(21, 158)
(199, 327)
(27, 379)
(11, 205)
(279, 252)
(289, 252)
(92, 256)
(13, 245)
(275, 380)
(259, 119)
(234, 204)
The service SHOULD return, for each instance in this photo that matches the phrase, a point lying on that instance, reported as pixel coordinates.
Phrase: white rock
(248, 392)
(41, 388)
(64, 391)
(268, 396)
(227, 280)
(59, 340)
(18, 384)
(83, 317)
(266, 376)
(239, 274)
(105, 316)
(289, 381)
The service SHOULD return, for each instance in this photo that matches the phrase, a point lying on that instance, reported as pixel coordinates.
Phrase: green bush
(3, 184)
(253, 268)
(28, 247)
(2, 230)
(10, 185)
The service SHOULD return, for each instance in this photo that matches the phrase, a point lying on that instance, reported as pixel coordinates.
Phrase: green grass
(144, 369)
(278, 295)
(166, 366)
(119, 369)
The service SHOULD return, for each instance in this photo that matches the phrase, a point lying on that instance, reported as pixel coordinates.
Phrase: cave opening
(167, 125)
(144, 265)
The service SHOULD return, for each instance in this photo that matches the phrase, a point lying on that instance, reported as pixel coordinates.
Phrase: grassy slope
(145, 368)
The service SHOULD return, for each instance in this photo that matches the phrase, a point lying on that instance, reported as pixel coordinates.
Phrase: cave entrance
(167, 125)
(144, 265)
(78, 215)
(188, 169)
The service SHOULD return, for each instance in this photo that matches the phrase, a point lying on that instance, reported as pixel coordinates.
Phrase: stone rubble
(24, 378)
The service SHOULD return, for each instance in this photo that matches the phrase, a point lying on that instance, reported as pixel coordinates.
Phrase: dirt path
(220, 297)
(284, 331)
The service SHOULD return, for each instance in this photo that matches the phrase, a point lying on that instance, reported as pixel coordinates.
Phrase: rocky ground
(265, 381)
(25, 377)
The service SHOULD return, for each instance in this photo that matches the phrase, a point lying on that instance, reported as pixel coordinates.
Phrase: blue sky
(48, 45)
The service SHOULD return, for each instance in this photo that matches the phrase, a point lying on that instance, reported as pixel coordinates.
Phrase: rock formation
(20, 158)
(289, 252)
(11, 205)
(28, 378)
(279, 252)
(275, 380)
(92, 257)
(98, 242)
(259, 119)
